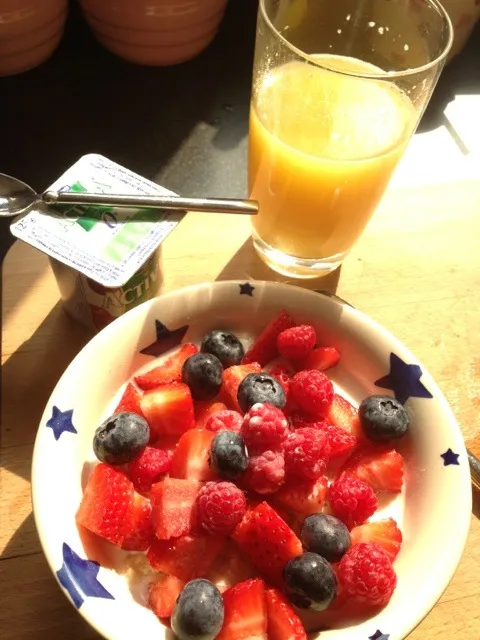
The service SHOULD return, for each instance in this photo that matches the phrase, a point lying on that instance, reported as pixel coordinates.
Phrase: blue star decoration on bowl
(449, 458)
(79, 578)
(165, 340)
(378, 635)
(404, 380)
(246, 289)
(61, 422)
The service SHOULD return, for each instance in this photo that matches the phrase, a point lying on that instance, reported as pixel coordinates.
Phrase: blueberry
(260, 387)
(325, 535)
(198, 612)
(228, 455)
(121, 438)
(203, 374)
(310, 582)
(225, 345)
(383, 418)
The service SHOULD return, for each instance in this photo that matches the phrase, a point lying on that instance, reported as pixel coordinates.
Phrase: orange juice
(323, 146)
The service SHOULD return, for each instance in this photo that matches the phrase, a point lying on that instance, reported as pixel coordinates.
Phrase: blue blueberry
(325, 535)
(121, 438)
(383, 418)
(228, 455)
(198, 612)
(203, 373)
(310, 582)
(260, 387)
(225, 345)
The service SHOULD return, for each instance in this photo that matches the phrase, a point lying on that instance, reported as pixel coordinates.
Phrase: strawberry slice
(304, 499)
(245, 612)
(162, 595)
(267, 540)
(148, 467)
(187, 557)
(380, 466)
(320, 358)
(168, 410)
(173, 507)
(344, 415)
(232, 378)
(264, 348)
(130, 401)
(168, 371)
(384, 532)
(230, 567)
(203, 410)
(283, 622)
(107, 504)
(140, 533)
(190, 459)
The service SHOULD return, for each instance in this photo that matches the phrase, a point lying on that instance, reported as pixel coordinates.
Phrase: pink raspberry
(266, 472)
(352, 500)
(297, 342)
(148, 467)
(220, 507)
(340, 441)
(264, 427)
(225, 420)
(312, 392)
(306, 454)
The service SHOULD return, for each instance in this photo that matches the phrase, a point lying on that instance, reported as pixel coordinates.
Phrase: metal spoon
(17, 198)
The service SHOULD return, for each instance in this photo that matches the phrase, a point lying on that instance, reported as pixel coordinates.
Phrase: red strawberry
(203, 410)
(168, 371)
(107, 504)
(283, 622)
(380, 466)
(173, 507)
(303, 499)
(162, 595)
(140, 535)
(190, 459)
(230, 567)
(344, 415)
(130, 401)
(384, 532)
(267, 540)
(245, 612)
(187, 557)
(168, 410)
(232, 377)
(148, 467)
(321, 358)
(264, 348)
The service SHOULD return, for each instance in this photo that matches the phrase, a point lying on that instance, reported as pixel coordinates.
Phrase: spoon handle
(209, 205)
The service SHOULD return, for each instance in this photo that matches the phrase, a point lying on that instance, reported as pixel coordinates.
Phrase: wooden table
(416, 270)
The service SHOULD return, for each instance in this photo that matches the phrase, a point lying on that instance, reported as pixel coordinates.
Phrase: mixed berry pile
(250, 484)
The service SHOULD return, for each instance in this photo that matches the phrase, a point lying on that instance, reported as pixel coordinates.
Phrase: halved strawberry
(107, 504)
(162, 595)
(267, 540)
(173, 507)
(140, 533)
(230, 567)
(344, 415)
(168, 371)
(264, 348)
(130, 401)
(380, 466)
(320, 358)
(187, 557)
(304, 499)
(245, 612)
(203, 410)
(232, 378)
(190, 459)
(384, 532)
(168, 410)
(148, 467)
(283, 622)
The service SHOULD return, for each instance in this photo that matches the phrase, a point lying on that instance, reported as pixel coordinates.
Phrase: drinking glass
(338, 90)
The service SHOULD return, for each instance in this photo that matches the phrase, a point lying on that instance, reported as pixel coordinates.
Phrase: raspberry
(366, 574)
(264, 427)
(352, 500)
(298, 421)
(224, 420)
(266, 472)
(297, 342)
(312, 391)
(306, 453)
(146, 468)
(340, 441)
(220, 507)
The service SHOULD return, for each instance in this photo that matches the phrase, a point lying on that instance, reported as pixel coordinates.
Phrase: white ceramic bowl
(433, 511)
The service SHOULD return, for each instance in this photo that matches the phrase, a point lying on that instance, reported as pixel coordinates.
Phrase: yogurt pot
(106, 261)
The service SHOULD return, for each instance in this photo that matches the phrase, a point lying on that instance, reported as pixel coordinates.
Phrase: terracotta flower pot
(154, 32)
(30, 31)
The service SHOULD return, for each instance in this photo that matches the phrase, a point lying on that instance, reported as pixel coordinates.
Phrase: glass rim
(383, 75)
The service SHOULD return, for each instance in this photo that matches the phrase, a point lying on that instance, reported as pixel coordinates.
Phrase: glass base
(293, 266)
